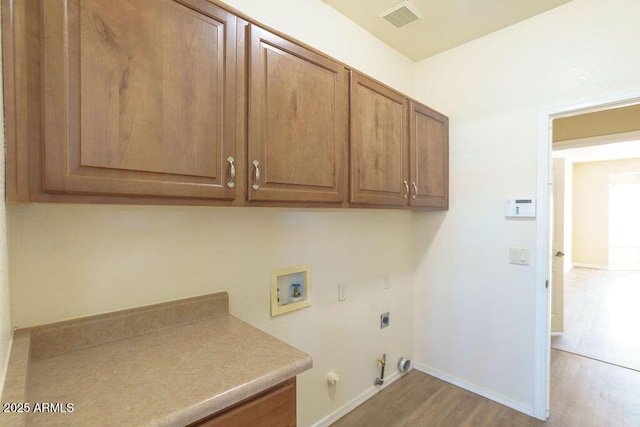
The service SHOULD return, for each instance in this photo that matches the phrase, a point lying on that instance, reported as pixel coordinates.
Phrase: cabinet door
(429, 136)
(138, 98)
(276, 407)
(379, 144)
(297, 120)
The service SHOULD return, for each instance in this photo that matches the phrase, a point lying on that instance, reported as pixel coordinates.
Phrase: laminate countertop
(161, 365)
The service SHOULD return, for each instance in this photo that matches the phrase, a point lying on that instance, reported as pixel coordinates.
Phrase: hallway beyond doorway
(602, 314)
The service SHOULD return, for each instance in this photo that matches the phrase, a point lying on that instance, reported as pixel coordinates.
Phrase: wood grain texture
(275, 407)
(601, 316)
(584, 393)
(138, 98)
(429, 143)
(16, 84)
(120, 147)
(297, 120)
(379, 144)
(153, 77)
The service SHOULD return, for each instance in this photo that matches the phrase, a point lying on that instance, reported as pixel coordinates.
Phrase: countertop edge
(19, 369)
(231, 397)
(15, 384)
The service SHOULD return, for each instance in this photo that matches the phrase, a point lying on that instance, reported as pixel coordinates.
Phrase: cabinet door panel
(138, 98)
(429, 157)
(379, 144)
(297, 122)
(274, 408)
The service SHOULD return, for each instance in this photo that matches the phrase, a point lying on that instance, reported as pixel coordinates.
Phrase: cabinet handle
(256, 176)
(406, 189)
(415, 190)
(232, 173)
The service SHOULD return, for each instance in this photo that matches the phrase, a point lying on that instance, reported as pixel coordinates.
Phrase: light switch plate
(519, 256)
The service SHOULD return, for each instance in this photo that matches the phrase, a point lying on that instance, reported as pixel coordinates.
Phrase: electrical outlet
(342, 292)
(385, 320)
(387, 281)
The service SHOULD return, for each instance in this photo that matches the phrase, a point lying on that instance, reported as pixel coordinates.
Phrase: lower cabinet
(275, 407)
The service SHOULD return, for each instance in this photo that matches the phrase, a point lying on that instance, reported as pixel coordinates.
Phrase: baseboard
(606, 267)
(475, 389)
(595, 266)
(624, 268)
(357, 401)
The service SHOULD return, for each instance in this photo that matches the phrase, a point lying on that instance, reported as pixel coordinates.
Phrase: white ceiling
(446, 23)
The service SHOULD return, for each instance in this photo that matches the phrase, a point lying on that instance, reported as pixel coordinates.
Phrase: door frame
(542, 345)
(558, 191)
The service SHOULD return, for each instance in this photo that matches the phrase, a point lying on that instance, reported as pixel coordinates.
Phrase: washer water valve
(382, 362)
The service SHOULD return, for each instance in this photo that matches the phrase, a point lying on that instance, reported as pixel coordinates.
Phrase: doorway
(542, 348)
(596, 226)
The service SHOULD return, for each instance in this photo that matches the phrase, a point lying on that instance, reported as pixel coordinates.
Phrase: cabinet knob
(256, 175)
(232, 173)
(415, 190)
(406, 189)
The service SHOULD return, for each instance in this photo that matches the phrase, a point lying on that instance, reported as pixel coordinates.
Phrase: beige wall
(607, 122)
(591, 209)
(5, 322)
(475, 314)
(75, 260)
(319, 25)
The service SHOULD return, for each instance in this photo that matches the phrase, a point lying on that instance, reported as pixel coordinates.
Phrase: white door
(557, 248)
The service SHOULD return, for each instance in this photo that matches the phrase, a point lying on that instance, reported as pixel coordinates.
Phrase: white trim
(568, 266)
(475, 389)
(594, 105)
(607, 267)
(596, 266)
(597, 140)
(542, 345)
(355, 402)
(542, 328)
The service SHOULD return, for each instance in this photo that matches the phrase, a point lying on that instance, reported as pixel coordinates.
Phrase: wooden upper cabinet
(297, 122)
(379, 144)
(183, 102)
(138, 98)
(429, 138)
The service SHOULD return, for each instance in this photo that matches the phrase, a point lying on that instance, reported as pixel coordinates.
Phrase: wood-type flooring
(602, 316)
(584, 393)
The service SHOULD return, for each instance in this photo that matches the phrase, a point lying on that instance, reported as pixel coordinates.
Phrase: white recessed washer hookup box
(290, 289)
(521, 207)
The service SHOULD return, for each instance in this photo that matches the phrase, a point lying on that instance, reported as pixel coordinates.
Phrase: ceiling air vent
(402, 14)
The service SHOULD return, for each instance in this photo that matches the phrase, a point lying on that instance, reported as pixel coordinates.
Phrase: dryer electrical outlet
(385, 320)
